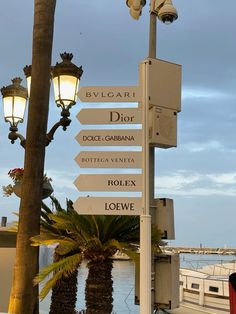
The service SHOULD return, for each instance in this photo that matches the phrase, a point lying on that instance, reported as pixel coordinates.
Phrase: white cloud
(177, 181)
(62, 179)
(223, 178)
(189, 93)
(200, 147)
(196, 184)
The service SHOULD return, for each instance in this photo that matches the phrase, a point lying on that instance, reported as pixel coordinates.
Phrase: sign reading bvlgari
(110, 137)
(108, 205)
(110, 116)
(109, 182)
(113, 159)
(109, 94)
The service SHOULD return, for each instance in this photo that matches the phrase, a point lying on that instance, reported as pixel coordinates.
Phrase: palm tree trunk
(64, 293)
(24, 298)
(98, 289)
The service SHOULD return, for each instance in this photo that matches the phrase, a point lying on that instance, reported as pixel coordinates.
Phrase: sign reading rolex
(109, 182)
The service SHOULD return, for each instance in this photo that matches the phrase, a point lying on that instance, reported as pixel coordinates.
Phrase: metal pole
(152, 54)
(145, 218)
(152, 36)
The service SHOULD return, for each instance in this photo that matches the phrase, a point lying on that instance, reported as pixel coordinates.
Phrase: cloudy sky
(200, 174)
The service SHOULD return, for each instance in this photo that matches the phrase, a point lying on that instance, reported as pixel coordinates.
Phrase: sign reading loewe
(109, 182)
(108, 205)
(109, 159)
(109, 93)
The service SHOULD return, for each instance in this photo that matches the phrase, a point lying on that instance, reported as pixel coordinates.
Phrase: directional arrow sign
(105, 159)
(110, 94)
(109, 182)
(110, 137)
(110, 116)
(108, 205)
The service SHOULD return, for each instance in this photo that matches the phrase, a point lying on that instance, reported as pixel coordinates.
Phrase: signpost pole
(145, 218)
(146, 298)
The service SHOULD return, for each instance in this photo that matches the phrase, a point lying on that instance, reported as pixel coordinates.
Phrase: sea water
(123, 279)
(123, 285)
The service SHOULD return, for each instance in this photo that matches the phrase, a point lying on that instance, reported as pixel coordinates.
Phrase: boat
(207, 286)
(119, 256)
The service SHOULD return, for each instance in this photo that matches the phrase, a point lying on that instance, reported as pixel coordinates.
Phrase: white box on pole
(166, 281)
(164, 88)
(162, 127)
(164, 217)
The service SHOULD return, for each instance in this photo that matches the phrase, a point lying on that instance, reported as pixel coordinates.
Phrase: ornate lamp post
(14, 103)
(65, 76)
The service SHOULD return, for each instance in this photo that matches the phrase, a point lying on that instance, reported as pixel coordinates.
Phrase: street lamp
(14, 103)
(65, 76)
(135, 7)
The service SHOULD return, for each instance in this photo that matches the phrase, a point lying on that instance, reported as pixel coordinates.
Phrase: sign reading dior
(108, 205)
(110, 116)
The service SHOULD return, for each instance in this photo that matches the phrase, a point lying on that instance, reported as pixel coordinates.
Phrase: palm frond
(48, 239)
(49, 284)
(66, 247)
(56, 204)
(46, 209)
(63, 267)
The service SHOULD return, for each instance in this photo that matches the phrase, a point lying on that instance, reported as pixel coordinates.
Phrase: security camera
(167, 14)
(165, 11)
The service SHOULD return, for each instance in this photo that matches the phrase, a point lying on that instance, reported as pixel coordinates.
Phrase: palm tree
(95, 238)
(64, 286)
(24, 297)
(108, 234)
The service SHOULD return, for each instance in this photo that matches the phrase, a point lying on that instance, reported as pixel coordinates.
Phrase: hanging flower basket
(17, 175)
(47, 189)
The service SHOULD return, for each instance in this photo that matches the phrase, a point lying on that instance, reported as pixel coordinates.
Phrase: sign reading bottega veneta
(111, 159)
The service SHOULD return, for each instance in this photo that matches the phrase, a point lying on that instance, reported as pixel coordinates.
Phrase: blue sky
(200, 174)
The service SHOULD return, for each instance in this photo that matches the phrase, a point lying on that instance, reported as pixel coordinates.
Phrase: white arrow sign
(108, 205)
(110, 116)
(110, 137)
(109, 182)
(105, 159)
(109, 93)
